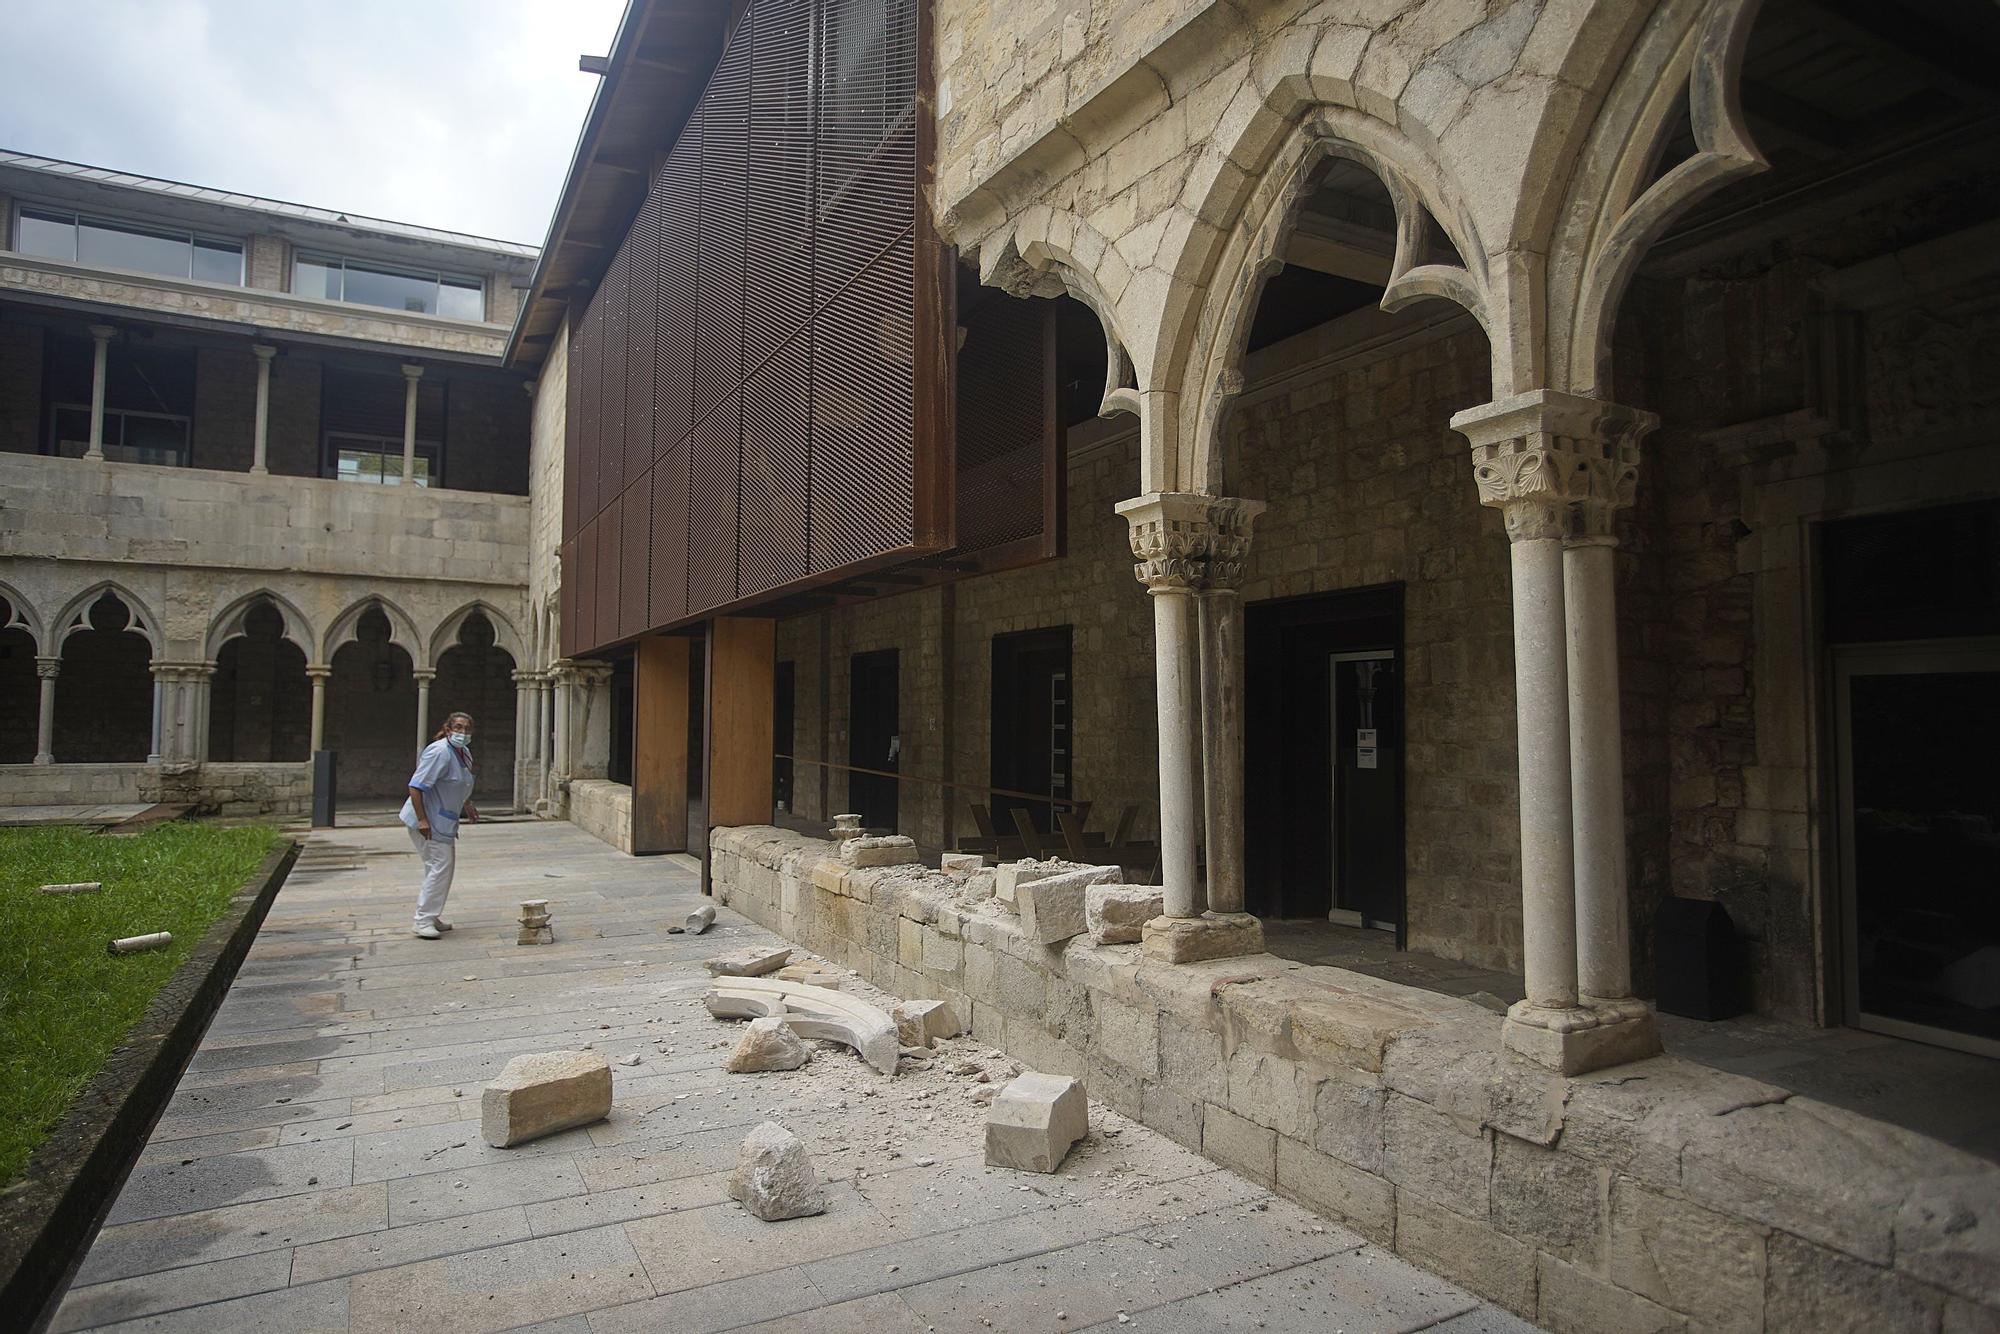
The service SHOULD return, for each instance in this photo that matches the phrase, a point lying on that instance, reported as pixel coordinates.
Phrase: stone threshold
(1654, 1195)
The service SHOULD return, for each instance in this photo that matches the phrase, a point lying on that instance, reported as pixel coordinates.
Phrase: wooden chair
(1031, 838)
(989, 841)
(1080, 843)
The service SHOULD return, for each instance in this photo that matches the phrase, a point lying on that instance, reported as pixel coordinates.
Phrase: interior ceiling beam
(1914, 43)
(1341, 249)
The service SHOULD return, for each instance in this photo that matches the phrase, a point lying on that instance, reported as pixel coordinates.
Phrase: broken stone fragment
(540, 1094)
(1034, 1121)
(810, 974)
(80, 887)
(753, 962)
(1117, 914)
(767, 1044)
(920, 1023)
(700, 919)
(1008, 877)
(891, 850)
(1052, 908)
(774, 1177)
(979, 885)
(960, 864)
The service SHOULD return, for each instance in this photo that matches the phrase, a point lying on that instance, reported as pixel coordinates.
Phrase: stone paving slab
(320, 1166)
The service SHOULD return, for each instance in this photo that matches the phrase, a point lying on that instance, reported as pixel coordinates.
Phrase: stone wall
(78, 784)
(602, 809)
(213, 789)
(1658, 1195)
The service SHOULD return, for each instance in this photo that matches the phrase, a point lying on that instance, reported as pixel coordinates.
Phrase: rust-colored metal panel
(1004, 426)
(777, 466)
(589, 404)
(641, 255)
(779, 272)
(611, 407)
(676, 197)
(725, 238)
(668, 580)
(712, 492)
(586, 582)
(610, 571)
(863, 459)
(573, 373)
(634, 568)
(568, 622)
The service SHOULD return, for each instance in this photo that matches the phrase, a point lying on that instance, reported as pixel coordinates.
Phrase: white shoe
(427, 933)
(442, 925)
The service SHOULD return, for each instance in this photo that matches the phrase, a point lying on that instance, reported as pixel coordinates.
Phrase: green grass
(65, 1003)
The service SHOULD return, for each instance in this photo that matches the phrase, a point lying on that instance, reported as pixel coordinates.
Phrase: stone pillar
(424, 675)
(561, 672)
(45, 721)
(99, 371)
(590, 719)
(1532, 460)
(1221, 609)
(411, 374)
(521, 688)
(182, 709)
(1171, 536)
(259, 446)
(201, 685)
(153, 756)
(319, 676)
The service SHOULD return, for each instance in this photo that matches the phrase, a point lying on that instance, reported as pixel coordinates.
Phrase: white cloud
(449, 113)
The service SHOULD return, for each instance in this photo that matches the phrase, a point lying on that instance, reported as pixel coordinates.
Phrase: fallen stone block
(920, 1023)
(1117, 914)
(1034, 1121)
(774, 1177)
(960, 864)
(1008, 877)
(1052, 908)
(767, 1044)
(812, 1012)
(700, 919)
(979, 885)
(751, 962)
(155, 940)
(540, 1094)
(889, 850)
(809, 974)
(80, 887)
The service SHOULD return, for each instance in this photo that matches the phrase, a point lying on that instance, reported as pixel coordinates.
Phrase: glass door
(1919, 789)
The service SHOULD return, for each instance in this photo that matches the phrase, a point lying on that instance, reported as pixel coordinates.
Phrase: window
(421, 291)
(129, 436)
(361, 458)
(120, 245)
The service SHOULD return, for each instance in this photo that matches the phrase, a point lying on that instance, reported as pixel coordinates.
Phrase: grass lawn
(65, 1003)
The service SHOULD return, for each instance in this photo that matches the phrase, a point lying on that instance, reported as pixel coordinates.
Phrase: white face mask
(463, 740)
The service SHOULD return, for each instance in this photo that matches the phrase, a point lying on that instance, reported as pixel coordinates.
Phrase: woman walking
(440, 796)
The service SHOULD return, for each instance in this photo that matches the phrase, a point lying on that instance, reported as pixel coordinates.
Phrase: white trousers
(440, 856)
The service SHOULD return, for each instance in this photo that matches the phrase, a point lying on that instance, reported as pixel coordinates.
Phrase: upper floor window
(423, 291)
(102, 243)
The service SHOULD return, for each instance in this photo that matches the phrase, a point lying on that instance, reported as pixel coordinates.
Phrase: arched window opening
(104, 697)
(371, 711)
(260, 704)
(476, 676)
(20, 693)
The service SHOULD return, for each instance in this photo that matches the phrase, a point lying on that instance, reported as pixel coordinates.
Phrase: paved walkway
(320, 1167)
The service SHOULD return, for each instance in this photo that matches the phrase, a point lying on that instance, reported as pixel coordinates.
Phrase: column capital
(319, 673)
(424, 674)
(1187, 540)
(263, 352)
(1231, 518)
(412, 373)
(103, 333)
(48, 669)
(1555, 465)
(194, 670)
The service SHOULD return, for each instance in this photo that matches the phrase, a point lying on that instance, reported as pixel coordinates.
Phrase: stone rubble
(774, 1176)
(1117, 914)
(767, 1044)
(543, 1093)
(1052, 907)
(751, 962)
(1034, 1121)
(920, 1023)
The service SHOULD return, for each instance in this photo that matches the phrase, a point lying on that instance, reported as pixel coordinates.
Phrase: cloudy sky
(452, 113)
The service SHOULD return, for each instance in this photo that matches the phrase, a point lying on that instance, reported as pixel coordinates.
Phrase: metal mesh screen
(1004, 427)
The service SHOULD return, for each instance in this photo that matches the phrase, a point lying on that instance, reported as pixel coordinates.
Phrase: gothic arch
(402, 630)
(229, 623)
(21, 616)
(504, 634)
(76, 615)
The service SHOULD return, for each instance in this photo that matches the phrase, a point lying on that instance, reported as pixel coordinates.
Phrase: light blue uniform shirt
(444, 776)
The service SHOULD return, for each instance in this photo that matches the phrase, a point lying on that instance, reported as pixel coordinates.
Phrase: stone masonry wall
(1661, 1195)
(602, 809)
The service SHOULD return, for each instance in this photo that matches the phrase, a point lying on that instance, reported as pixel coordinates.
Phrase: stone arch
(475, 673)
(17, 613)
(402, 630)
(228, 624)
(20, 690)
(505, 637)
(75, 616)
(260, 696)
(1614, 210)
(1048, 252)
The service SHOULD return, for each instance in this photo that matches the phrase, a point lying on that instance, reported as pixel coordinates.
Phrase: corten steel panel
(611, 406)
(567, 601)
(725, 203)
(642, 255)
(610, 572)
(676, 200)
(863, 458)
(865, 124)
(776, 472)
(586, 586)
(634, 567)
(778, 287)
(572, 447)
(589, 444)
(668, 580)
(711, 532)
(1005, 427)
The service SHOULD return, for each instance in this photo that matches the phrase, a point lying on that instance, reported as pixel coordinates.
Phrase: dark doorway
(874, 738)
(622, 721)
(1031, 723)
(1323, 770)
(260, 701)
(476, 676)
(781, 736)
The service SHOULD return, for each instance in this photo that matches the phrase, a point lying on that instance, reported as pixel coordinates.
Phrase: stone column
(259, 442)
(183, 688)
(153, 756)
(201, 681)
(411, 374)
(539, 737)
(424, 675)
(1221, 609)
(1528, 465)
(1171, 537)
(559, 679)
(319, 676)
(521, 688)
(99, 370)
(45, 721)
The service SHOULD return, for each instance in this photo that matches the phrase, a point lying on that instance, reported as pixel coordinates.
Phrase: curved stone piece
(812, 1012)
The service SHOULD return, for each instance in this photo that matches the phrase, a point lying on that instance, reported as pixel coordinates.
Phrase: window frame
(137, 226)
(431, 451)
(438, 278)
(55, 441)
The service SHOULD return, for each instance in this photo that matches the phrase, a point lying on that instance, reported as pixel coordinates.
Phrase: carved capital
(1555, 465)
(1230, 519)
(1186, 541)
(319, 675)
(423, 675)
(48, 669)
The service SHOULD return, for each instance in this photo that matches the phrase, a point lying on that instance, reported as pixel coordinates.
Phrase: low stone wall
(602, 809)
(78, 784)
(212, 789)
(1659, 1195)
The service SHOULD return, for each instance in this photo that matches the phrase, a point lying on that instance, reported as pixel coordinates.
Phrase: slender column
(99, 369)
(159, 701)
(259, 443)
(1221, 609)
(201, 682)
(561, 673)
(411, 374)
(45, 721)
(521, 688)
(424, 675)
(319, 676)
